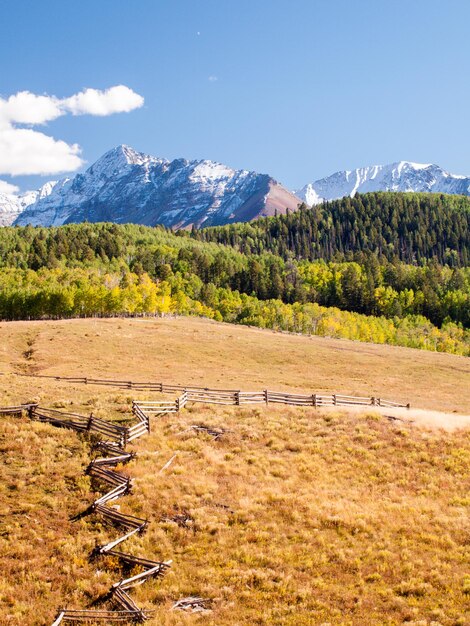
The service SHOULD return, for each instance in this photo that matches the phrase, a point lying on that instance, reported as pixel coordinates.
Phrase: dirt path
(420, 417)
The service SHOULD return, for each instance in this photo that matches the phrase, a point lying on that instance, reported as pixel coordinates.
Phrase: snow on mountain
(402, 176)
(128, 186)
(9, 209)
(12, 205)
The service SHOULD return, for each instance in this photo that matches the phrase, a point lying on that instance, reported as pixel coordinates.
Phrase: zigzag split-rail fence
(112, 447)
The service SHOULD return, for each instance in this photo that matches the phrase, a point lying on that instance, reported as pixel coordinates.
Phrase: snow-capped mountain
(12, 205)
(9, 209)
(402, 176)
(128, 186)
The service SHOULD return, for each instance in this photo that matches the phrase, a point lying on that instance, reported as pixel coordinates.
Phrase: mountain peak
(128, 186)
(411, 165)
(126, 155)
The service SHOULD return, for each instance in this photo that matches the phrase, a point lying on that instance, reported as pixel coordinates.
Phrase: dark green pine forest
(408, 227)
(382, 267)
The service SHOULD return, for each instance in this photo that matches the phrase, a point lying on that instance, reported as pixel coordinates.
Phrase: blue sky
(297, 89)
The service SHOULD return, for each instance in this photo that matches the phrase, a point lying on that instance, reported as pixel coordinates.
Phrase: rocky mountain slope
(128, 186)
(12, 205)
(9, 208)
(402, 176)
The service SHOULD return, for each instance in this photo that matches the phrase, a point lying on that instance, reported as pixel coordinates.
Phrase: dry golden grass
(43, 554)
(196, 351)
(332, 518)
(297, 516)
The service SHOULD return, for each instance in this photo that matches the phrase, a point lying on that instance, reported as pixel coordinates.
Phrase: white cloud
(213, 79)
(27, 151)
(8, 188)
(27, 108)
(119, 99)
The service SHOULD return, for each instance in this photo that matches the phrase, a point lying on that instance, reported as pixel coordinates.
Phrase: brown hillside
(200, 352)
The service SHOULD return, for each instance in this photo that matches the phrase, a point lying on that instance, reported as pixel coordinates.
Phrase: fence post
(90, 421)
(237, 398)
(314, 399)
(59, 619)
(266, 396)
(334, 399)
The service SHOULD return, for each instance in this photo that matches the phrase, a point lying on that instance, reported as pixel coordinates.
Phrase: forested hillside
(409, 227)
(109, 269)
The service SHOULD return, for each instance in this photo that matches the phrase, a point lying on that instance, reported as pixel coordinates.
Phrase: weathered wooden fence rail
(71, 615)
(17, 410)
(190, 393)
(81, 423)
(242, 398)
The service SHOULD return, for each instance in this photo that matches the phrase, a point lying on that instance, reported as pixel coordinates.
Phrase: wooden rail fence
(241, 398)
(190, 393)
(17, 411)
(103, 470)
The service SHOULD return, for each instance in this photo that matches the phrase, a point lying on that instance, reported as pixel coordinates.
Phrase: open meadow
(194, 351)
(294, 516)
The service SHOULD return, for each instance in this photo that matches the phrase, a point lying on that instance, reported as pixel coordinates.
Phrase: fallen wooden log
(193, 604)
(213, 432)
(88, 615)
(168, 463)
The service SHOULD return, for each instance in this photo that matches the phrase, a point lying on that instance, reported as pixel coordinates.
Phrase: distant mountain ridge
(402, 176)
(128, 186)
(11, 205)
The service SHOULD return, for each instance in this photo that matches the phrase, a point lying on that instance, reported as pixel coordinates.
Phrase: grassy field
(296, 516)
(200, 352)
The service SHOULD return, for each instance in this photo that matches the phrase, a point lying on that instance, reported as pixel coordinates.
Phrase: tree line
(78, 292)
(408, 227)
(365, 284)
(110, 269)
